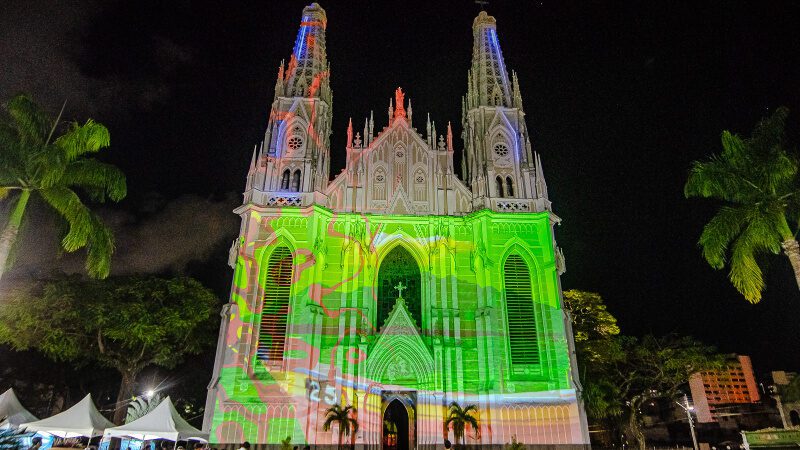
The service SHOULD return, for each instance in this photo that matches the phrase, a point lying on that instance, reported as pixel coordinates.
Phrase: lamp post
(688, 409)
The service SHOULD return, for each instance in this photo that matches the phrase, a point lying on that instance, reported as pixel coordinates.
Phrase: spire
(307, 74)
(541, 185)
(515, 88)
(371, 126)
(279, 85)
(449, 137)
(488, 74)
(410, 112)
(428, 129)
(391, 111)
(350, 133)
(366, 136)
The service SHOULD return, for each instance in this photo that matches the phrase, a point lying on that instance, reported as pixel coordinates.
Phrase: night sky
(620, 98)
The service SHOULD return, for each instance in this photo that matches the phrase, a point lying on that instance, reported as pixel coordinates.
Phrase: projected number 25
(313, 390)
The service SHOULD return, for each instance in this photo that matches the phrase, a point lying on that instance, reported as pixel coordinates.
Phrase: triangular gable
(399, 355)
(400, 203)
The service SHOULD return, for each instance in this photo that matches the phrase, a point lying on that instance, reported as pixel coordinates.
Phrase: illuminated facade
(713, 390)
(398, 287)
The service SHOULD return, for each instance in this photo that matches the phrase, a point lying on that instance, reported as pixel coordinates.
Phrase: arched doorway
(395, 427)
(398, 266)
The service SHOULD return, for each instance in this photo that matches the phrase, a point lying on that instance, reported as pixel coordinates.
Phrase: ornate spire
(350, 133)
(488, 77)
(307, 74)
(449, 137)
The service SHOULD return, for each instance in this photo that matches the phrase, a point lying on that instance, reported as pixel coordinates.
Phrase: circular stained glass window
(500, 149)
(295, 142)
(399, 154)
(420, 179)
(379, 178)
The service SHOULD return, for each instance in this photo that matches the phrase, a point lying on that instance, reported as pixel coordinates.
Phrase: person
(199, 446)
(245, 446)
(447, 444)
(35, 443)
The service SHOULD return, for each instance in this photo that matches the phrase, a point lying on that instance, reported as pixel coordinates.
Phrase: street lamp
(688, 408)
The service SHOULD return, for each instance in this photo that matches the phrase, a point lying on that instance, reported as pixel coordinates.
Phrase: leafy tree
(286, 443)
(459, 417)
(756, 180)
(344, 418)
(593, 325)
(590, 318)
(122, 323)
(647, 368)
(43, 156)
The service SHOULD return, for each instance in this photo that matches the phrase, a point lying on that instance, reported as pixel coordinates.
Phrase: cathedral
(401, 285)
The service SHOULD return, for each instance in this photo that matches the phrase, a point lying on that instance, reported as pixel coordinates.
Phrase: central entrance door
(395, 427)
(399, 421)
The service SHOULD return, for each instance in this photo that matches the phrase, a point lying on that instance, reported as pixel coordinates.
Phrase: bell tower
(499, 164)
(292, 164)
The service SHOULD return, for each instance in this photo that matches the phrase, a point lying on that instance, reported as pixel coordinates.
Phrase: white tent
(12, 413)
(163, 422)
(83, 419)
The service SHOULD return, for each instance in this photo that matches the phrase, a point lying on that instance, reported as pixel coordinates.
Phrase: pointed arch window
(520, 316)
(285, 179)
(398, 266)
(499, 186)
(296, 181)
(509, 187)
(275, 306)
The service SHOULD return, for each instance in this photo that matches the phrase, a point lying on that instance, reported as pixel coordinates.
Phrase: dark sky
(620, 98)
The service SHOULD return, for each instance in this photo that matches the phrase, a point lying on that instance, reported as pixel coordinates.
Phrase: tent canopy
(163, 422)
(12, 413)
(83, 419)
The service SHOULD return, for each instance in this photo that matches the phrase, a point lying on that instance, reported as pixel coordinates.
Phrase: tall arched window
(285, 179)
(509, 187)
(275, 307)
(499, 186)
(398, 266)
(296, 181)
(522, 336)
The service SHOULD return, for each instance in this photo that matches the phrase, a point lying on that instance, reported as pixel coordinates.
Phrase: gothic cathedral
(398, 287)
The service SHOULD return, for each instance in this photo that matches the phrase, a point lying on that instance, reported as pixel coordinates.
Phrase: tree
(643, 369)
(42, 156)
(593, 325)
(122, 323)
(458, 418)
(344, 418)
(756, 179)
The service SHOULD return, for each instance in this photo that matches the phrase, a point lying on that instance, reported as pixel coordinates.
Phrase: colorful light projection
(304, 332)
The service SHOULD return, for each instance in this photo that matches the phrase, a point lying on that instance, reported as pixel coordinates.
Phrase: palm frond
(718, 234)
(96, 178)
(69, 206)
(768, 134)
(99, 248)
(81, 139)
(30, 121)
(715, 178)
(758, 237)
(4, 192)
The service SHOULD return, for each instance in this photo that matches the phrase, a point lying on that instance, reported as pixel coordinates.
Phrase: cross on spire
(482, 4)
(400, 288)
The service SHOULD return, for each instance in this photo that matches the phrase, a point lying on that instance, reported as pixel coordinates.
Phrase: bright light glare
(149, 393)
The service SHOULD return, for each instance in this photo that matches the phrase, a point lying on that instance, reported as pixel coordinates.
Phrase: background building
(714, 392)
(397, 287)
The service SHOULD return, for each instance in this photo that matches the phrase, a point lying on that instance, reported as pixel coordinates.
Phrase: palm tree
(343, 417)
(756, 179)
(459, 417)
(38, 155)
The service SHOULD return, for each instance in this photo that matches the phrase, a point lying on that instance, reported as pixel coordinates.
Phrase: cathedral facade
(398, 287)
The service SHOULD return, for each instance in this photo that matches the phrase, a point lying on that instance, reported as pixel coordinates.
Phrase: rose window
(295, 142)
(500, 149)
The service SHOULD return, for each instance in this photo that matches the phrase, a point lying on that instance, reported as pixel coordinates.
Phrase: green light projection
(313, 323)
